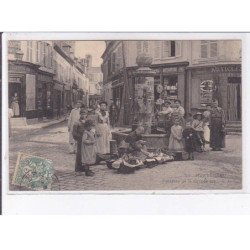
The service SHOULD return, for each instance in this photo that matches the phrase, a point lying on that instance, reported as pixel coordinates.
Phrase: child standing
(88, 147)
(175, 139)
(198, 126)
(190, 138)
(77, 133)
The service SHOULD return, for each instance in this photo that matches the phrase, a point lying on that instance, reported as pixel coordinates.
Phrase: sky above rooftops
(94, 48)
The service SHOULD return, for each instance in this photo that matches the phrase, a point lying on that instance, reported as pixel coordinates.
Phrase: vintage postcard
(142, 113)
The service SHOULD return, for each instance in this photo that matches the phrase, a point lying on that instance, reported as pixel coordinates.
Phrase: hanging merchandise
(159, 88)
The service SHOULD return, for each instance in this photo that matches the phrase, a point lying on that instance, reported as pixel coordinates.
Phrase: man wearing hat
(73, 118)
(198, 125)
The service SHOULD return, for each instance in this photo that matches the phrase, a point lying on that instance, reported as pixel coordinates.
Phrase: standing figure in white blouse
(103, 130)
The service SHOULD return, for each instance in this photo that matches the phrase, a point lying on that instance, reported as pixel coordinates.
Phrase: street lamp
(19, 55)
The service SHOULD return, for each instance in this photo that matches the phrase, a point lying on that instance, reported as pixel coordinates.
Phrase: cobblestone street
(209, 170)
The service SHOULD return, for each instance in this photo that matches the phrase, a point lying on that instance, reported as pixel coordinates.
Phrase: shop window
(170, 87)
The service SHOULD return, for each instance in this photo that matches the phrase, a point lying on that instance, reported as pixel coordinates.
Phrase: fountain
(143, 106)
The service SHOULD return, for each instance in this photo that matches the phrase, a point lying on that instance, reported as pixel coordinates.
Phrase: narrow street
(209, 170)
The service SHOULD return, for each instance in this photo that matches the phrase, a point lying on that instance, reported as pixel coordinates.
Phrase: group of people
(89, 135)
(193, 132)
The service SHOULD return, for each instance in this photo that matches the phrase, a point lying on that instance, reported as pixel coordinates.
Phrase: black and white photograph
(124, 115)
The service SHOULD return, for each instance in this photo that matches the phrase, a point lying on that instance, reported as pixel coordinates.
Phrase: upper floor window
(37, 51)
(166, 49)
(119, 62)
(29, 51)
(209, 49)
(157, 49)
(142, 46)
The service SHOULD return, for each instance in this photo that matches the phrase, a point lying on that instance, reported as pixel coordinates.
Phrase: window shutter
(177, 48)
(31, 50)
(157, 49)
(41, 52)
(113, 62)
(28, 51)
(119, 63)
(204, 49)
(166, 49)
(145, 46)
(138, 46)
(213, 49)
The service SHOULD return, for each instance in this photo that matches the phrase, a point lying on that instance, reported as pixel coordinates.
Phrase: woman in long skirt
(88, 150)
(103, 130)
(175, 139)
(217, 127)
(15, 105)
(207, 115)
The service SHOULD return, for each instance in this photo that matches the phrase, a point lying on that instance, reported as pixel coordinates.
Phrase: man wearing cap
(73, 118)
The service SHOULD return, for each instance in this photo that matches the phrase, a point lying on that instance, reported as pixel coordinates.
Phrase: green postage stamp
(33, 173)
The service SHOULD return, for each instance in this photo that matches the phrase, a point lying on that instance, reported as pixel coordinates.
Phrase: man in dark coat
(217, 127)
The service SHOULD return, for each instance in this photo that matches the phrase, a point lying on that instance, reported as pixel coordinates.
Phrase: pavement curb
(23, 132)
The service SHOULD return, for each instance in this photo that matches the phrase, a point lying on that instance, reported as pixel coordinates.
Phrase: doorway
(16, 88)
(234, 99)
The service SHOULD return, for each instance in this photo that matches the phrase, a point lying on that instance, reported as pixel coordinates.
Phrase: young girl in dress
(175, 139)
(88, 147)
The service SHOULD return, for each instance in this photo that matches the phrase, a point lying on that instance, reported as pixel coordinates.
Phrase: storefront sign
(15, 79)
(225, 69)
(170, 70)
(45, 78)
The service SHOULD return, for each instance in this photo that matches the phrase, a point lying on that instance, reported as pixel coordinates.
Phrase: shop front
(58, 99)
(22, 88)
(44, 95)
(67, 90)
(169, 83)
(221, 82)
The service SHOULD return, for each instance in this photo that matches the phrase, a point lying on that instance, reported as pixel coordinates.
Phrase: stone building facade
(192, 71)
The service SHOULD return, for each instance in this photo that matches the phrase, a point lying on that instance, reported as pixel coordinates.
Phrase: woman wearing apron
(103, 130)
